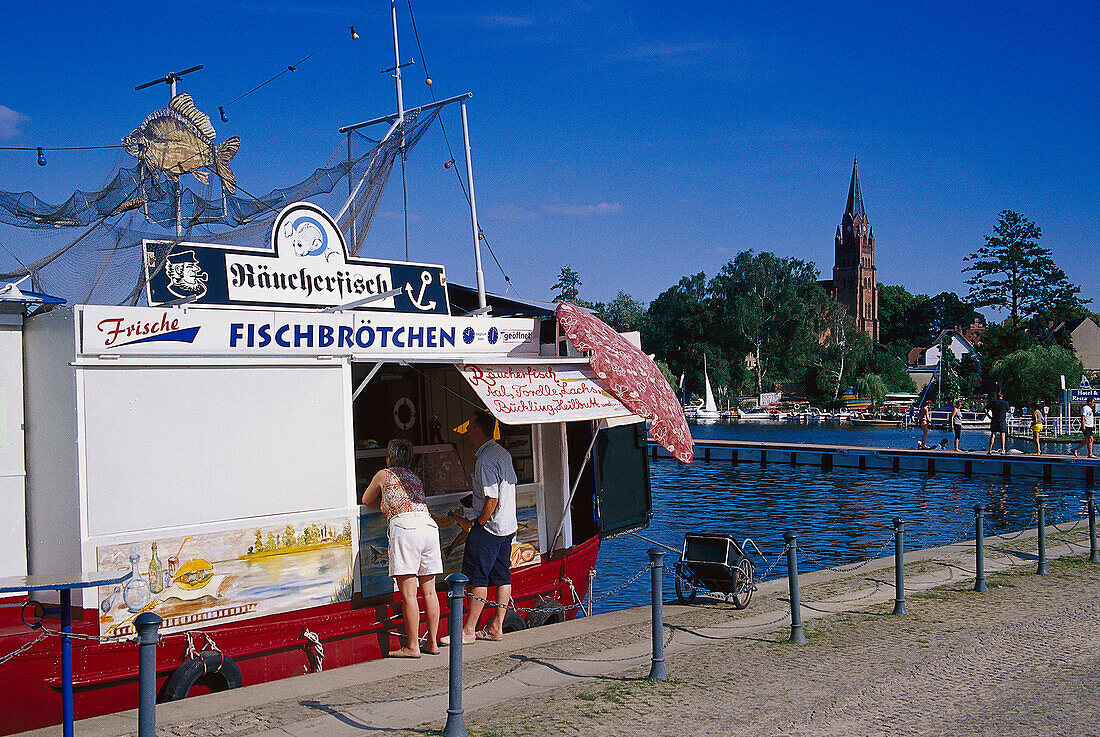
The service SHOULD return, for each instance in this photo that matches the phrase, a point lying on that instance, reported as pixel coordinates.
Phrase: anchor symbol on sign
(425, 280)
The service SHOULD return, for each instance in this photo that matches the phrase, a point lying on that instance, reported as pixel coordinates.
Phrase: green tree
(947, 383)
(889, 367)
(894, 305)
(1014, 273)
(871, 386)
(841, 347)
(624, 313)
(568, 286)
(767, 305)
(678, 324)
(1031, 376)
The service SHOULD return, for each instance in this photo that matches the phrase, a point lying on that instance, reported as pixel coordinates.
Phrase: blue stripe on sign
(187, 335)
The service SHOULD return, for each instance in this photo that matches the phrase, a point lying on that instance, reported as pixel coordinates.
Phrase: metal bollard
(979, 548)
(656, 568)
(146, 625)
(456, 725)
(1041, 503)
(1094, 551)
(798, 637)
(899, 567)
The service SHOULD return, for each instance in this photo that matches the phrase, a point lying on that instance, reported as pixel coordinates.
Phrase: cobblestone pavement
(1021, 659)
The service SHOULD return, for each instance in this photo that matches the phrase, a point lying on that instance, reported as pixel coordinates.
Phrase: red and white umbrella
(631, 376)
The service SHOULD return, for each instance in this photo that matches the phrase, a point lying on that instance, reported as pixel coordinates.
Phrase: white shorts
(414, 545)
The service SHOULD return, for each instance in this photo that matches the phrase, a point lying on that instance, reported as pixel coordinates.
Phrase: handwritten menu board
(530, 394)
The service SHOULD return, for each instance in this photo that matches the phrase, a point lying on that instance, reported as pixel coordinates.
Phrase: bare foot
(405, 652)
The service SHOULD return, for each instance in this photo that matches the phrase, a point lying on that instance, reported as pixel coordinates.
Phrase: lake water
(841, 516)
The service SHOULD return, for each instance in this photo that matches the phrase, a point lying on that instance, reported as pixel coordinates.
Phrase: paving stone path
(1020, 659)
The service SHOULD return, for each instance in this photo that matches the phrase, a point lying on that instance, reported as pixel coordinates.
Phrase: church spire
(855, 195)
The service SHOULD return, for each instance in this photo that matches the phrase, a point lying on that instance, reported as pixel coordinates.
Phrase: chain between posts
(576, 605)
(23, 648)
(847, 567)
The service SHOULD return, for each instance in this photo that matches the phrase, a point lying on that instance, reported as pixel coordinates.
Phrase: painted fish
(180, 140)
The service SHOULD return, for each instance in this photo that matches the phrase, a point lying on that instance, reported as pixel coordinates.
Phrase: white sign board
(521, 394)
(217, 331)
(769, 398)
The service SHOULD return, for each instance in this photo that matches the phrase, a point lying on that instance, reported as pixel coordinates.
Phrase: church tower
(855, 280)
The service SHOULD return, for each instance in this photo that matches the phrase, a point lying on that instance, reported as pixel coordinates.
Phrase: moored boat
(237, 415)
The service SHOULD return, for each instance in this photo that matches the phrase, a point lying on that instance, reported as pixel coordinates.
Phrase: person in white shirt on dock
(1088, 426)
(487, 558)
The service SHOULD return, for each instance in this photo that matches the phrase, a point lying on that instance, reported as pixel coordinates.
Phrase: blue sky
(637, 142)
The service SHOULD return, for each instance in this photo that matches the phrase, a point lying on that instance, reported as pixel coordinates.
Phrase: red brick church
(855, 280)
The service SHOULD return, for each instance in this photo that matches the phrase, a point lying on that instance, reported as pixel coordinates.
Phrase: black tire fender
(217, 671)
(513, 622)
(545, 611)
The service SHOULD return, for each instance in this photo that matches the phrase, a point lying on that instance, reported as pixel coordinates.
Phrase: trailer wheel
(513, 622)
(744, 572)
(209, 672)
(685, 591)
(545, 611)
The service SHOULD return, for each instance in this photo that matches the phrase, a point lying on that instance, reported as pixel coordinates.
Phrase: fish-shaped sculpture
(179, 139)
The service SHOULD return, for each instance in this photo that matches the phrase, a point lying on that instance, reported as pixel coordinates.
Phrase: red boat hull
(265, 649)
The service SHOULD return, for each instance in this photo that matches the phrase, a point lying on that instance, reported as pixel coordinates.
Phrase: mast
(170, 79)
(473, 210)
(397, 124)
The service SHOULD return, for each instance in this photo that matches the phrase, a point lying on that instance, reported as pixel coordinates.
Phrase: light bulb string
(221, 108)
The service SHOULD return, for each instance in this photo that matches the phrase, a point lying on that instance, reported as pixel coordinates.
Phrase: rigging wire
(294, 67)
(289, 69)
(450, 152)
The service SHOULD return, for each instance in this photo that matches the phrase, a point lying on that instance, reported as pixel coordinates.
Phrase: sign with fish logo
(307, 266)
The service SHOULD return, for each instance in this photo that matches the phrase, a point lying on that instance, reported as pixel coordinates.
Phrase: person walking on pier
(487, 558)
(924, 420)
(956, 421)
(998, 423)
(1036, 428)
(1088, 426)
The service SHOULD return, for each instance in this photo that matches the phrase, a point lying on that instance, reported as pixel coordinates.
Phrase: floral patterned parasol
(632, 377)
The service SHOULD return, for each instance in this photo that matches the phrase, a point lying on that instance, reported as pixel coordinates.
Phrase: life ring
(404, 413)
(212, 669)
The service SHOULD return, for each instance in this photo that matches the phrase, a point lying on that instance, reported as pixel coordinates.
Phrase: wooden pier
(1011, 465)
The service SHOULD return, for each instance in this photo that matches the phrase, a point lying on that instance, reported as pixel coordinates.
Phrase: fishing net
(88, 249)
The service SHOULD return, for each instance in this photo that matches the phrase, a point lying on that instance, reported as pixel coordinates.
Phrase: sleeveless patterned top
(402, 491)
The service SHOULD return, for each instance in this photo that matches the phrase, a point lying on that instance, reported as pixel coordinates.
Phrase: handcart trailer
(716, 564)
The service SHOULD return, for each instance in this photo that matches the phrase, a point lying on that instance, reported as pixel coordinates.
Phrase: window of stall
(430, 405)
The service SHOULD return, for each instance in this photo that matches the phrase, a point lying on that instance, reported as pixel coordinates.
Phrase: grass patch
(621, 693)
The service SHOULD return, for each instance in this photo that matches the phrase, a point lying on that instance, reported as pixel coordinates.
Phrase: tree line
(764, 320)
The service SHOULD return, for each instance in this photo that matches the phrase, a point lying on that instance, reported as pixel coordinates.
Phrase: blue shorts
(487, 558)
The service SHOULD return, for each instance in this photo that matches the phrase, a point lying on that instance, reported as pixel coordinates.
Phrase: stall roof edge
(464, 300)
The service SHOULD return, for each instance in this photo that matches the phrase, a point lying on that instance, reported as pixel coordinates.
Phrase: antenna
(170, 79)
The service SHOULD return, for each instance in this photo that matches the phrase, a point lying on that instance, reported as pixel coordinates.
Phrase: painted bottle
(156, 576)
(136, 592)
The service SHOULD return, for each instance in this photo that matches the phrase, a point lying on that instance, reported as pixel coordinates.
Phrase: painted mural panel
(454, 520)
(214, 578)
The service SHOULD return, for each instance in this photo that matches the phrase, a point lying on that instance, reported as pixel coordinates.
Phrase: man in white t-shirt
(487, 557)
(1088, 426)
